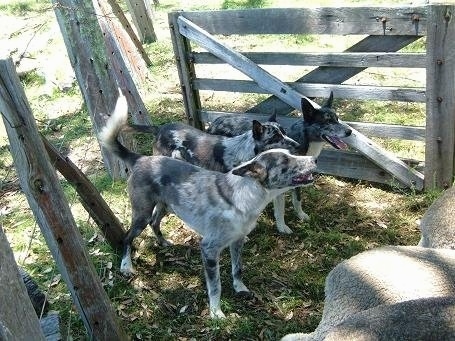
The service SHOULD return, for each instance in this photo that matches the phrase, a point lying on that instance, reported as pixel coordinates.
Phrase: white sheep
(395, 292)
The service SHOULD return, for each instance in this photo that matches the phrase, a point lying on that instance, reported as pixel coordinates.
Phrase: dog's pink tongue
(336, 142)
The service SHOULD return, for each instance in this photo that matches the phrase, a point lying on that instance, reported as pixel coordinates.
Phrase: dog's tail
(108, 136)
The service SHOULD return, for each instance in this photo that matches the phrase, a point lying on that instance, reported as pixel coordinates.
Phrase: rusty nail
(439, 139)
(384, 19)
(415, 17)
(439, 62)
(439, 99)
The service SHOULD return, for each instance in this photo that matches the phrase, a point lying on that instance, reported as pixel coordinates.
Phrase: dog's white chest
(315, 149)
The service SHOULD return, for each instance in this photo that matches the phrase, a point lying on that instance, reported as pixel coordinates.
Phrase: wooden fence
(386, 30)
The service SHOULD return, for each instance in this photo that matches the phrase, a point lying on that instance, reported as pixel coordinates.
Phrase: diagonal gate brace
(387, 161)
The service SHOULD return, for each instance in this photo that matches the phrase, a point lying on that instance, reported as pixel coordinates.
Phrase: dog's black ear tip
(272, 117)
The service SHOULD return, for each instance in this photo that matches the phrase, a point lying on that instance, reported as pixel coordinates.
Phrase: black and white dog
(318, 125)
(221, 207)
(216, 152)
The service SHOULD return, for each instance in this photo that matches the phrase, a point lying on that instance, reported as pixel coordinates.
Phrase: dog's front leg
(278, 212)
(297, 203)
(236, 262)
(211, 261)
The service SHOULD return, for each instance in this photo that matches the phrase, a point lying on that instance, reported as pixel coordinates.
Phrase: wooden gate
(387, 31)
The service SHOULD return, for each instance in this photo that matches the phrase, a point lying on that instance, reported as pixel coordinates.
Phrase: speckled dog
(220, 153)
(221, 207)
(318, 125)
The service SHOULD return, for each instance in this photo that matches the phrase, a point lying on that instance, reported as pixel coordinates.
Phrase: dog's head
(279, 169)
(270, 135)
(322, 123)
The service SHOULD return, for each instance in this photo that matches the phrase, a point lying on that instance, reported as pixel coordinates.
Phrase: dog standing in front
(319, 125)
(222, 207)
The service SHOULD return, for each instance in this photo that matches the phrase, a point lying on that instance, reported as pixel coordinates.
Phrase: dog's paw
(126, 268)
(284, 229)
(303, 216)
(217, 314)
(239, 287)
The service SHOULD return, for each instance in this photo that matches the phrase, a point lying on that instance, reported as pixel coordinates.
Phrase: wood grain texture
(46, 199)
(340, 59)
(321, 20)
(440, 142)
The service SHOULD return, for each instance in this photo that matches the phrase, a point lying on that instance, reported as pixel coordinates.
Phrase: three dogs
(318, 125)
(221, 207)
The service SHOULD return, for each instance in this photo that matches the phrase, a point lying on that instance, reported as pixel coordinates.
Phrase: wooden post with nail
(440, 97)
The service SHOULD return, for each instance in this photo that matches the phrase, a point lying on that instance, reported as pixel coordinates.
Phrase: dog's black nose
(348, 132)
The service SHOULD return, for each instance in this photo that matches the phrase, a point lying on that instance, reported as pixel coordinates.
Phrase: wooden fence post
(18, 320)
(45, 196)
(142, 16)
(185, 68)
(440, 105)
(99, 67)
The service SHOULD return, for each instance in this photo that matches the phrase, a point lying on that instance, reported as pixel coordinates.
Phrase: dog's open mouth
(303, 179)
(335, 142)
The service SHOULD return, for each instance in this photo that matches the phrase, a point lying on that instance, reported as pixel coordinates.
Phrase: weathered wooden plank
(141, 13)
(337, 75)
(382, 93)
(46, 199)
(18, 320)
(353, 59)
(182, 51)
(439, 147)
(129, 30)
(353, 166)
(392, 164)
(99, 67)
(321, 20)
(91, 199)
(393, 131)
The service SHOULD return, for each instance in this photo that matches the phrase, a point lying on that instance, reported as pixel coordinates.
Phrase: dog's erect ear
(328, 103)
(272, 117)
(258, 130)
(307, 109)
(252, 169)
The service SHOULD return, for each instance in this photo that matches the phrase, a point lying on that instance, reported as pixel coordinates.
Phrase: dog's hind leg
(236, 261)
(158, 213)
(138, 224)
(297, 203)
(278, 212)
(210, 252)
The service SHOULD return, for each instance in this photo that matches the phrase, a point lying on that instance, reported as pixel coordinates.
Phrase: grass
(167, 299)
